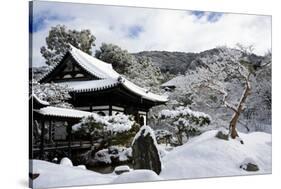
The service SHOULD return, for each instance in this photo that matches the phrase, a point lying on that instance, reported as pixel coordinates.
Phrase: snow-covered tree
(185, 121)
(139, 70)
(93, 127)
(257, 116)
(143, 73)
(106, 129)
(55, 94)
(119, 58)
(163, 136)
(223, 80)
(58, 40)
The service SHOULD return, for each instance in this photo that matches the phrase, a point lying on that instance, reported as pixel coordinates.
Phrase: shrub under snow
(66, 161)
(184, 121)
(115, 124)
(120, 154)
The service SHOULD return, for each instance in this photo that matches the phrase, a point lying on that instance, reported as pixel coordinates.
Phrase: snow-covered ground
(202, 156)
(54, 175)
(208, 156)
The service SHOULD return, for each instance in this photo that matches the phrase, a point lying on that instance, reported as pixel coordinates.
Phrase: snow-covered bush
(65, 161)
(106, 130)
(163, 136)
(92, 127)
(113, 154)
(118, 123)
(185, 121)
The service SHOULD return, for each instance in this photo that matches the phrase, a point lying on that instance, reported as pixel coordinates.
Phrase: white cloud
(168, 30)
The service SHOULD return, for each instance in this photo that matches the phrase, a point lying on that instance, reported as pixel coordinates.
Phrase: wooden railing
(63, 145)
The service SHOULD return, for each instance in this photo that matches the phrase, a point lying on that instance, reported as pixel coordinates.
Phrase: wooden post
(68, 129)
(110, 110)
(42, 139)
(50, 131)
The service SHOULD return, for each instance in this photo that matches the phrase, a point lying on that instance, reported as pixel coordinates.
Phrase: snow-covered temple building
(172, 84)
(96, 87)
(51, 128)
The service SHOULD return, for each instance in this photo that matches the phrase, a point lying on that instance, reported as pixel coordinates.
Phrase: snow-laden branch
(216, 87)
(192, 116)
(115, 124)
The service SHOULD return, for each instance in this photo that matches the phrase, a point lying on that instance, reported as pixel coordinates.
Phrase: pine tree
(58, 40)
(119, 58)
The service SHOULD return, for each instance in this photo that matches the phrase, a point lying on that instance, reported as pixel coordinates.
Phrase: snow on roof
(107, 75)
(143, 92)
(93, 65)
(91, 85)
(104, 70)
(96, 85)
(39, 100)
(176, 81)
(63, 112)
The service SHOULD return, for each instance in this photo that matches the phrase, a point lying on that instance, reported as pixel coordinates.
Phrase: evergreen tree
(119, 58)
(58, 40)
(139, 70)
(184, 121)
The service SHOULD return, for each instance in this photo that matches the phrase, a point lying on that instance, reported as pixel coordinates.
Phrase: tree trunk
(232, 126)
(179, 136)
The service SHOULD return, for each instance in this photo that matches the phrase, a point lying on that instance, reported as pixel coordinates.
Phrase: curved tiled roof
(91, 85)
(42, 102)
(108, 77)
(93, 65)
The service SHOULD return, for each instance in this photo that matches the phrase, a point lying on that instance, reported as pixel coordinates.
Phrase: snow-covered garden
(213, 120)
(203, 156)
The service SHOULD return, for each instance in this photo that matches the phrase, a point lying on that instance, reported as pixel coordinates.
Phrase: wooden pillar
(69, 137)
(50, 131)
(146, 116)
(110, 110)
(42, 139)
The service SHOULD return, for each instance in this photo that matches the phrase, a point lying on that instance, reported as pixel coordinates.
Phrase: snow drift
(208, 156)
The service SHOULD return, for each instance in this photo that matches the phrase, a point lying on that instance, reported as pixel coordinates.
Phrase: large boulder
(145, 154)
(222, 134)
(122, 169)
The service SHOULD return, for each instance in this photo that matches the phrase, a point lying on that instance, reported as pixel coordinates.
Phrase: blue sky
(134, 31)
(40, 20)
(142, 29)
(211, 16)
